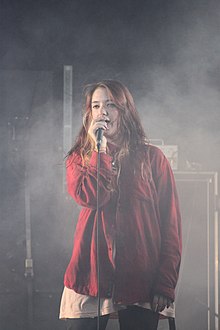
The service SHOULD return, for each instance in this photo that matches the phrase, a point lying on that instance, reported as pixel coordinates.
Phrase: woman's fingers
(160, 302)
(94, 126)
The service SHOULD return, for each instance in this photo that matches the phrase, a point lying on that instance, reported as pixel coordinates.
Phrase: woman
(140, 231)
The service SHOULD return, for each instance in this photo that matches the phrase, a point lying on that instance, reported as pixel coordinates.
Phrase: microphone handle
(99, 137)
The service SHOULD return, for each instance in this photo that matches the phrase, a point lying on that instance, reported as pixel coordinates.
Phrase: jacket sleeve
(170, 222)
(82, 180)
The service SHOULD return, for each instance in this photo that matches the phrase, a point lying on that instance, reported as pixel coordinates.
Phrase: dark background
(166, 52)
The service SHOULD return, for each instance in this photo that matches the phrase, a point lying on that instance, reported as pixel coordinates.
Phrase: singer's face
(104, 108)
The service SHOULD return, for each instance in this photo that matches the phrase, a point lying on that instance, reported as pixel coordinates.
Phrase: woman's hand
(159, 303)
(100, 122)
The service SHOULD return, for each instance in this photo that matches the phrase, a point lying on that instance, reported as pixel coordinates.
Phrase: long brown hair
(129, 125)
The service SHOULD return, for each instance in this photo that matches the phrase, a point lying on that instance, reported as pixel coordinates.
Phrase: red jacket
(142, 218)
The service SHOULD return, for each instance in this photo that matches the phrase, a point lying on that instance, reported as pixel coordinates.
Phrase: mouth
(107, 120)
(111, 125)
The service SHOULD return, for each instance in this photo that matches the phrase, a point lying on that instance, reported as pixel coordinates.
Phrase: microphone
(99, 135)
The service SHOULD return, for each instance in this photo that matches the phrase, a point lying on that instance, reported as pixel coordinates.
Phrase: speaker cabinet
(197, 290)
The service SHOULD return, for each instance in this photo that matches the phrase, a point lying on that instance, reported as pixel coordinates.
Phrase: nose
(104, 110)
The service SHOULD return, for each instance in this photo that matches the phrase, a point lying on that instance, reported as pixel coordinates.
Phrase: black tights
(87, 323)
(131, 318)
(137, 318)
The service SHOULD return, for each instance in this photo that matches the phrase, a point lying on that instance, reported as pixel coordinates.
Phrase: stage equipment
(67, 114)
(170, 151)
(197, 295)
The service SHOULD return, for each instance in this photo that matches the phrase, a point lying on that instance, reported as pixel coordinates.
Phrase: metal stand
(29, 273)
(172, 324)
(22, 122)
(97, 243)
